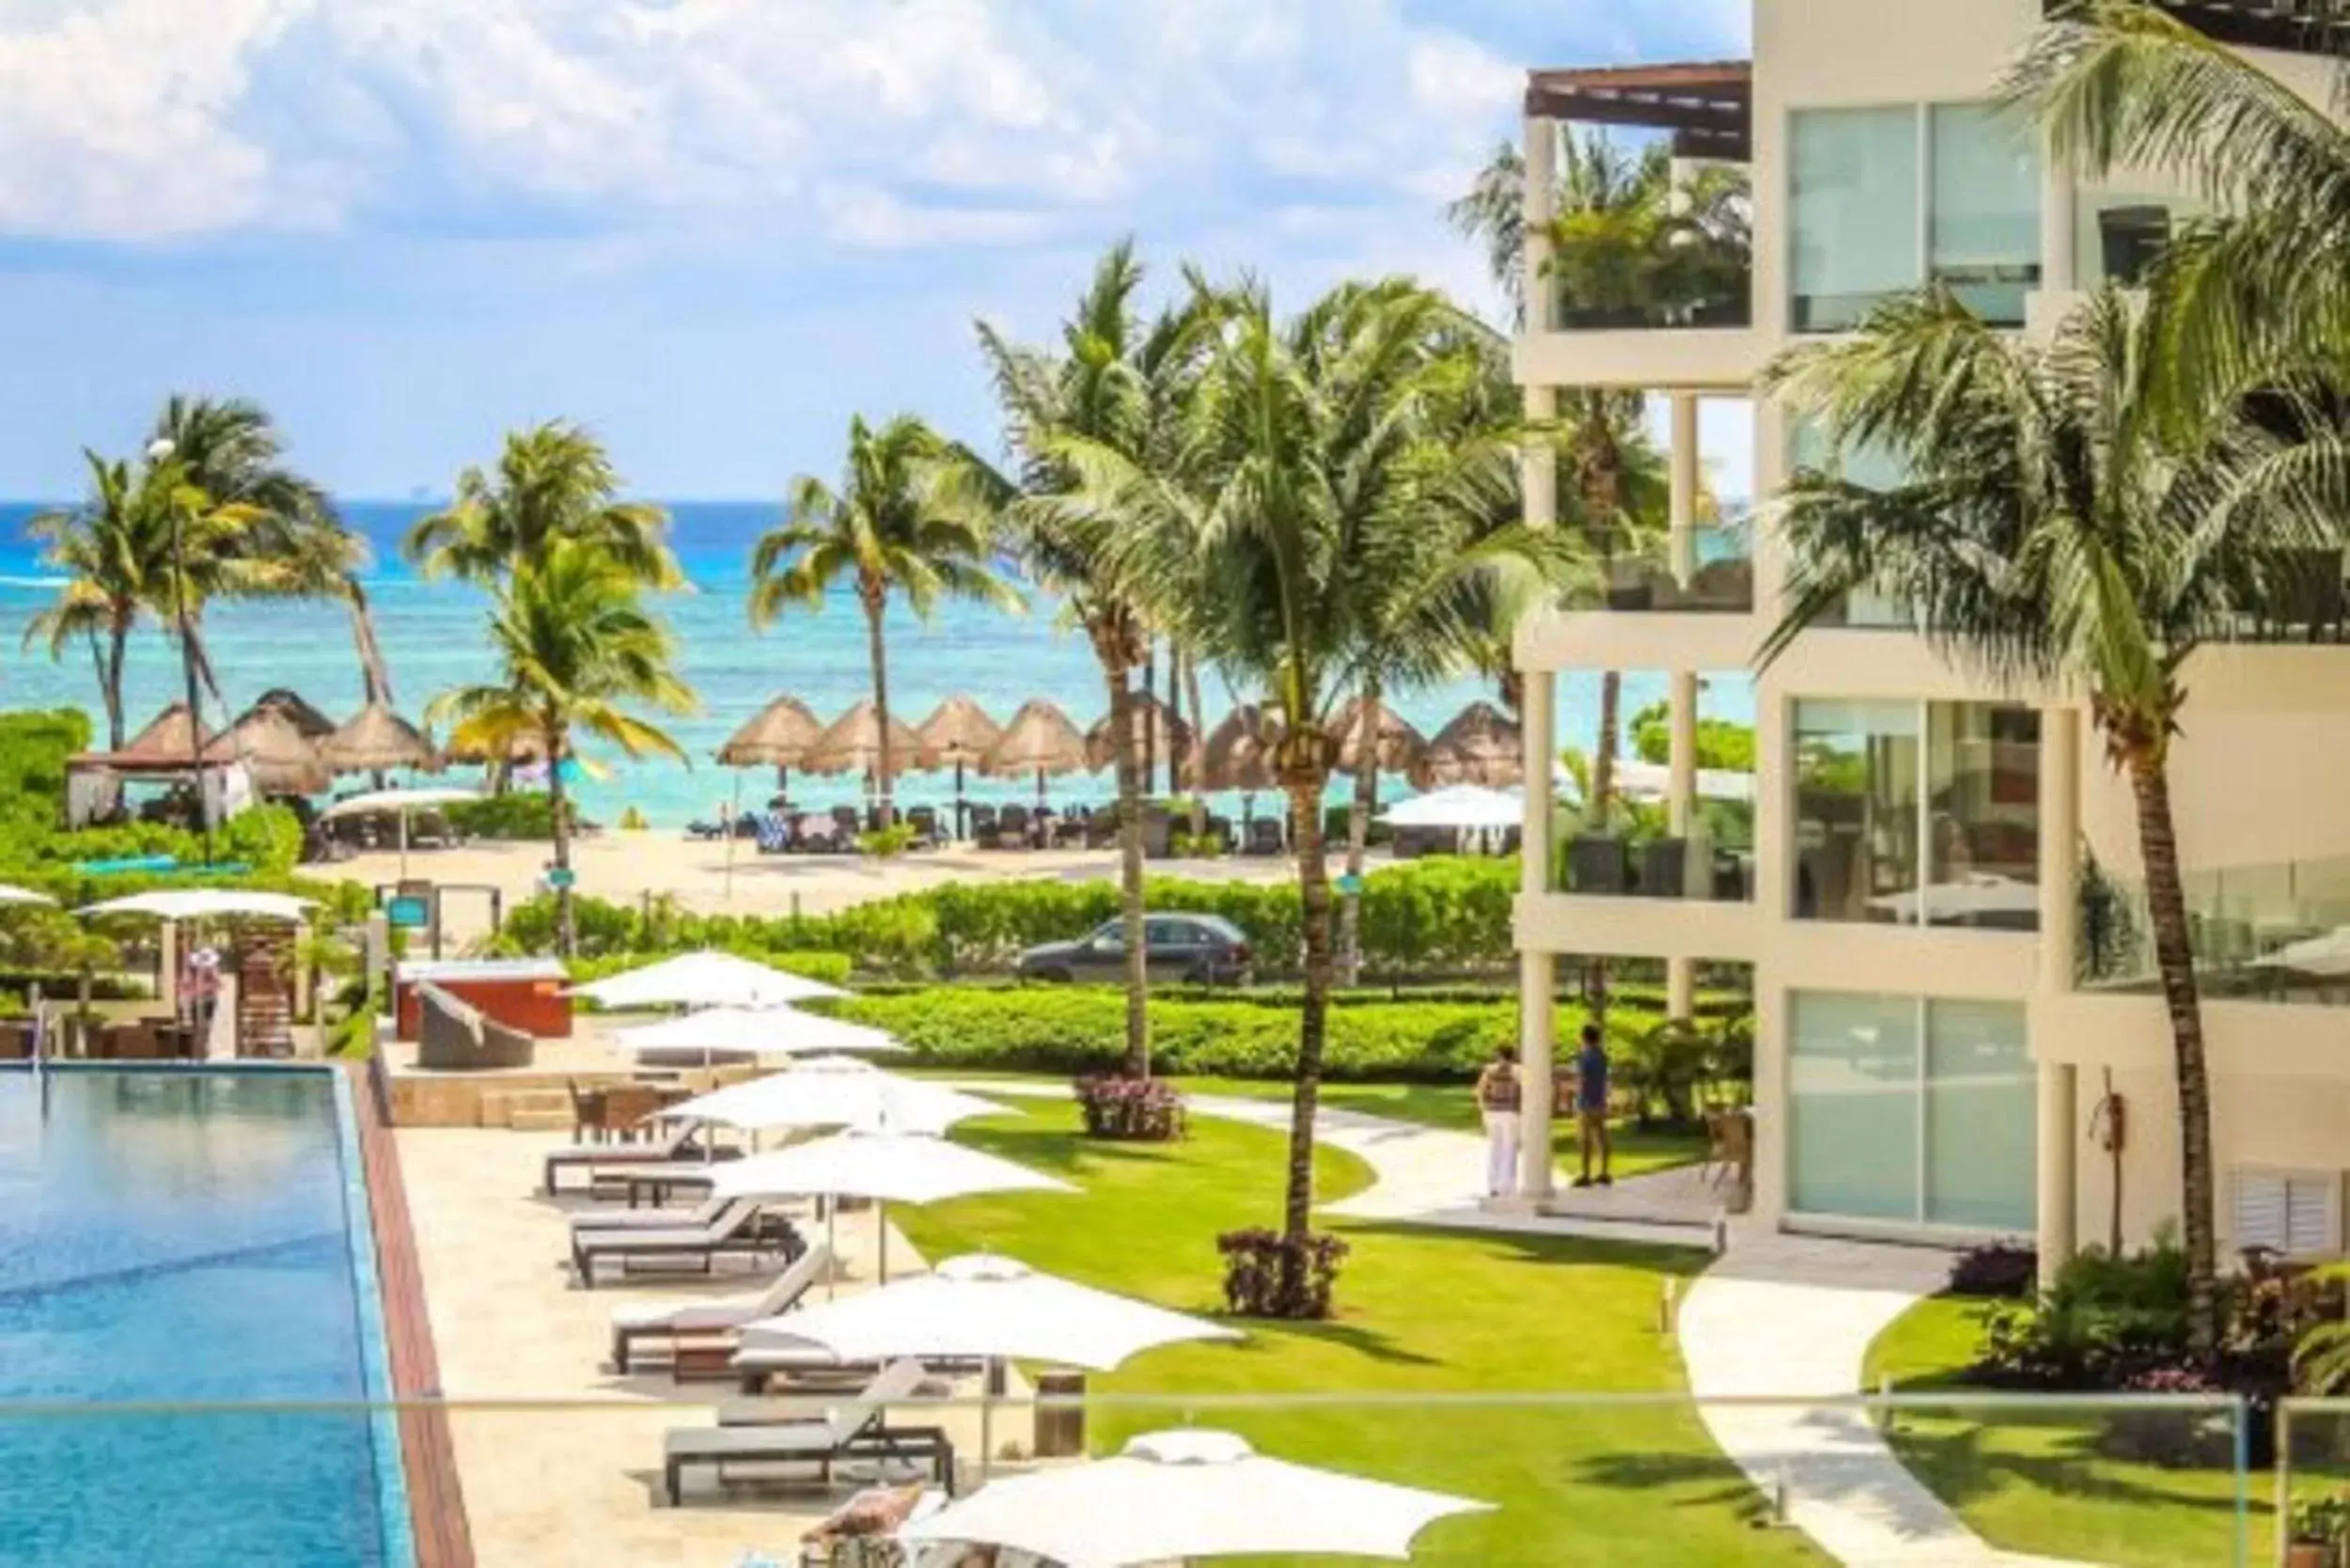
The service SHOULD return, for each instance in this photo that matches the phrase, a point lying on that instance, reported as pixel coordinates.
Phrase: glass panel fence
(655, 1471)
(2272, 932)
(1711, 572)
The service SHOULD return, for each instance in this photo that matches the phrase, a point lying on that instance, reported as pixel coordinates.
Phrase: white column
(1681, 988)
(1538, 735)
(2058, 1189)
(1537, 1027)
(168, 965)
(1770, 1103)
(1538, 207)
(2059, 230)
(1686, 458)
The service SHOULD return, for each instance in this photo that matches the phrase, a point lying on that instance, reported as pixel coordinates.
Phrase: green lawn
(2038, 1484)
(1423, 1315)
(1636, 1151)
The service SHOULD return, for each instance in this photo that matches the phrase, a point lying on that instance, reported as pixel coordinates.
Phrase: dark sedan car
(1192, 950)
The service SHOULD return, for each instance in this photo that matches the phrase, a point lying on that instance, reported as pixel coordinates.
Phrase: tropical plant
(1123, 384)
(576, 651)
(2321, 1360)
(907, 520)
(2053, 531)
(1321, 534)
(113, 549)
(553, 484)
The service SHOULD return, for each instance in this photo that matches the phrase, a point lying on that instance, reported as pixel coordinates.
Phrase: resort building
(1958, 1034)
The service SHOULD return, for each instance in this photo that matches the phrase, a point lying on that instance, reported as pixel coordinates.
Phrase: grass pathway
(1425, 1316)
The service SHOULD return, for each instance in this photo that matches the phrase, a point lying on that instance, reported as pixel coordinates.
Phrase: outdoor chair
(1072, 827)
(819, 834)
(844, 822)
(603, 1221)
(586, 1110)
(1012, 828)
(983, 824)
(859, 1429)
(745, 1230)
(772, 831)
(924, 820)
(626, 1109)
(1264, 835)
(697, 1331)
(681, 1145)
(453, 1036)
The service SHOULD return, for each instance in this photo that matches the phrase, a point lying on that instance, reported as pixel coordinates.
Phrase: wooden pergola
(1707, 105)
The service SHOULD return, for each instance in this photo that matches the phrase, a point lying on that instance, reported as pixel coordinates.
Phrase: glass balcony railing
(1728, 303)
(1711, 572)
(1636, 865)
(2274, 932)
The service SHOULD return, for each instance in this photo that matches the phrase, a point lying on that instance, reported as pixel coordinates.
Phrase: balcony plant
(2318, 1528)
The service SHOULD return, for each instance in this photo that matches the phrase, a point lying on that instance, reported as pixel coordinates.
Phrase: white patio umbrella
(1969, 897)
(23, 895)
(1186, 1493)
(1461, 806)
(836, 1091)
(1645, 780)
(705, 980)
(888, 1167)
(2321, 956)
(398, 803)
(192, 903)
(771, 1031)
(991, 1309)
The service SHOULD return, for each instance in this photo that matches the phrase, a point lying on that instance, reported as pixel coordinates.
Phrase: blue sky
(709, 229)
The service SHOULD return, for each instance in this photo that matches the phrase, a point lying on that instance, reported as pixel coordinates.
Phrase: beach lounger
(678, 1327)
(774, 832)
(750, 1232)
(1012, 828)
(679, 1145)
(982, 825)
(857, 1429)
(709, 1211)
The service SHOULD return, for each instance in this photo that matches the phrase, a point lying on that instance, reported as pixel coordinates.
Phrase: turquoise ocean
(431, 636)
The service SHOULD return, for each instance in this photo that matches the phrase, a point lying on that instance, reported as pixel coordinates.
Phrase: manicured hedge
(1063, 1030)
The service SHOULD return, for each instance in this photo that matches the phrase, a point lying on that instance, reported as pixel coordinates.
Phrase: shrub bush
(2105, 1320)
(1995, 1270)
(518, 814)
(1132, 1110)
(1267, 1276)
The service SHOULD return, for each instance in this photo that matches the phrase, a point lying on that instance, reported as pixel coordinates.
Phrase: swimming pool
(189, 1235)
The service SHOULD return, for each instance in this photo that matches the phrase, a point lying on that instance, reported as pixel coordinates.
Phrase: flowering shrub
(1136, 1110)
(1268, 1276)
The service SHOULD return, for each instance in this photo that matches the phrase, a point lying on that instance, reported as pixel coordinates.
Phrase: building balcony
(1709, 572)
(2274, 932)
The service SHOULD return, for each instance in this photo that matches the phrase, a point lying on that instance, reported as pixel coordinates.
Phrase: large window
(1911, 1111)
(1911, 813)
(1882, 199)
(1874, 468)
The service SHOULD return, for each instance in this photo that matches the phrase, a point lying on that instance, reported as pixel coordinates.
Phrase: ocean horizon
(431, 633)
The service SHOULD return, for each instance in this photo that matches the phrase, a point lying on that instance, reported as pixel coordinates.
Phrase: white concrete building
(1937, 1050)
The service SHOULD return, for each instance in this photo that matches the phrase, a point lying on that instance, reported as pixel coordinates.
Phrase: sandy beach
(631, 866)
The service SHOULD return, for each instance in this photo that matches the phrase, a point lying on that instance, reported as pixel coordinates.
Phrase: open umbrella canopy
(760, 1031)
(190, 904)
(2322, 956)
(376, 738)
(1158, 732)
(1972, 897)
(1238, 752)
(887, 1166)
(851, 743)
(387, 802)
(1459, 805)
(1480, 746)
(986, 1307)
(705, 980)
(777, 737)
(1039, 740)
(1396, 745)
(958, 733)
(838, 1092)
(1641, 779)
(1172, 1495)
(23, 895)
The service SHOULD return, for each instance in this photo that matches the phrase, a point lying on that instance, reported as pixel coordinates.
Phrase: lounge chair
(813, 834)
(774, 833)
(719, 1324)
(679, 1145)
(845, 823)
(746, 1232)
(454, 1036)
(924, 820)
(983, 824)
(709, 1211)
(1012, 828)
(1264, 835)
(859, 1429)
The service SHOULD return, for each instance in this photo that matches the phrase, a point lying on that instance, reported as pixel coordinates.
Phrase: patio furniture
(16, 1041)
(1013, 829)
(711, 1328)
(586, 1110)
(605, 1221)
(1264, 836)
(982, 820)
(454, 1036)
(859, 1429)
(844, 822)
(626, 1107)
(774, 833)
(748, 1231)
(680, 1145)
(924, 820)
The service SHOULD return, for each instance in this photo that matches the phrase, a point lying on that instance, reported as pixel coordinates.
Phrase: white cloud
(978, 119)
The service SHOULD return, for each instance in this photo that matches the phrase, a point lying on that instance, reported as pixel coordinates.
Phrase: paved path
(1792, 1317)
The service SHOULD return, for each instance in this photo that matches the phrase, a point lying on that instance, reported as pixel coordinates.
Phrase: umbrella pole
(987, 1420)
(403, 843)
(881, 1237)
(832, 1246)
(960, 835)
(731, 815)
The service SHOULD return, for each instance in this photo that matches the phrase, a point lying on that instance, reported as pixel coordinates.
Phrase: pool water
(183, 1236)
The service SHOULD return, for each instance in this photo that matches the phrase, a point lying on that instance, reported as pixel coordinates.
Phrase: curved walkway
(1779, 1318)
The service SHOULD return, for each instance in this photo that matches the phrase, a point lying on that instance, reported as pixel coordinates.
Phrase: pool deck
(578, 1481)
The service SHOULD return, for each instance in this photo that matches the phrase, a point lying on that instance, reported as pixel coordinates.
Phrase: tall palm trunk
(874, 606)
(1150, 695)
(1358, 835)
(110, 678)
(1130, 792)
(374, 673)
(191, 661)
(1313, 888)
(1198, 739)
(566, 933)
(1605, 499)
(2174, 957)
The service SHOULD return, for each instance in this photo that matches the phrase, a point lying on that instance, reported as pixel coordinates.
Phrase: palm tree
(114, 551)
(2053, 531)
(231, 449)
(576, 651)
(1123, 384)
(906, 520)
(554, 482)
(1318, 537)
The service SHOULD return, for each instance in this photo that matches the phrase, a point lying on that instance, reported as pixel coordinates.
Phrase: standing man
(1591, 1107)
(1499, 1093)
